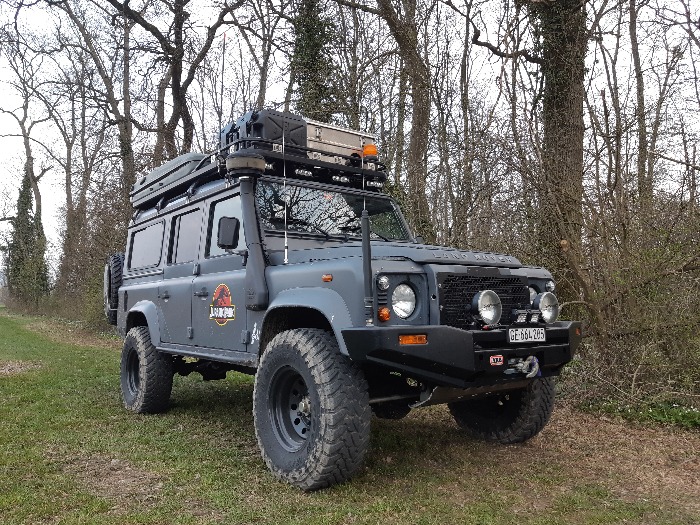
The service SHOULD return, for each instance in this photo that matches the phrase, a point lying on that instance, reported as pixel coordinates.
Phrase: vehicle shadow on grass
(396, 446)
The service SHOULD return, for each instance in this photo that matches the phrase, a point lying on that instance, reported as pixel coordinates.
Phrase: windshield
(326, 212)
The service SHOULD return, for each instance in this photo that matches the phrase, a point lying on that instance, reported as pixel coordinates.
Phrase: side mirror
(229, 228)
(419, 240)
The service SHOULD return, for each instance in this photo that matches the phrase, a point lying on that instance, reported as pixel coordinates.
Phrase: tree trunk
(644, 182)
(563, 38)
(404, 29)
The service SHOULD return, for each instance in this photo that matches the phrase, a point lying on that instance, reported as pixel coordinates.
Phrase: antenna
(286, 199)
(362, 147)
(221, 94)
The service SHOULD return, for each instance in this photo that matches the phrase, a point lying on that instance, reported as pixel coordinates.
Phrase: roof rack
(312, 150)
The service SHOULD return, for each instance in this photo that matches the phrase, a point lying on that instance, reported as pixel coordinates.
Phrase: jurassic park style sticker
(221, 309)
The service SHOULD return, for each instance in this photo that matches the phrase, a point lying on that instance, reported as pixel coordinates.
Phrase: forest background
(564, 132)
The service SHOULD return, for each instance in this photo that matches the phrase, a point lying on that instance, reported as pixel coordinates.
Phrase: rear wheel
(146, 374)
(311, 409)
(507, 417)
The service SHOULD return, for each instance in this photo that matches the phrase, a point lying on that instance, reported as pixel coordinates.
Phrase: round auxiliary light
(548, 304)
(550, 286)
(403, 300)
(533, 294)
(383, 283)
(487, 306)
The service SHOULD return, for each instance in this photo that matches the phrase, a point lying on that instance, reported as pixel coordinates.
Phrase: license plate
(526, 335)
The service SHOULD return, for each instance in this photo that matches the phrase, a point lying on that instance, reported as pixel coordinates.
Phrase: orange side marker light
(413, 339)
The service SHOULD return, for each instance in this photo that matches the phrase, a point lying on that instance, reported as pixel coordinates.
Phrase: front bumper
(455, 357)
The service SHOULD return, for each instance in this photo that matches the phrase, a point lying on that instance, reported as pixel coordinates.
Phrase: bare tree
(182, 53)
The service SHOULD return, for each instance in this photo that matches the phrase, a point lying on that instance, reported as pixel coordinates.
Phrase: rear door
(218, 309)
(175, 291)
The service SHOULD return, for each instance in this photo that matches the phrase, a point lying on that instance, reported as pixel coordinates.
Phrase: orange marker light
(413, 339)
(369, 150)
(383, 314)
(327, 277)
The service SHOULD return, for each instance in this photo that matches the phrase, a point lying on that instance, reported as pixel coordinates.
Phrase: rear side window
(146, 246)
(185, 237)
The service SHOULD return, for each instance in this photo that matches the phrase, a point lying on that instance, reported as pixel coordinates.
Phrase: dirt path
(634, 461)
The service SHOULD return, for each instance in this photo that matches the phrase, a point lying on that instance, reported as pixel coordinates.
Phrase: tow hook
(529, 366)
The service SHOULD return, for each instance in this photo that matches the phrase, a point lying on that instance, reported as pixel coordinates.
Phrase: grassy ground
(69, 453)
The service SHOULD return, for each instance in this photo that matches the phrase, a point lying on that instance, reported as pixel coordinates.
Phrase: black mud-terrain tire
(391, 410)
(111, 283)
(311, 409)
(507, 417)
(146, 374)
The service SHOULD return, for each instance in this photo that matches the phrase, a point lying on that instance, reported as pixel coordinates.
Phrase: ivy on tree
(312, 64)
(26, 269)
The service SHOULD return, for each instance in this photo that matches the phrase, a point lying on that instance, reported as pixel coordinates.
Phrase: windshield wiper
(303, 222)
(378, 235)
(356, 228)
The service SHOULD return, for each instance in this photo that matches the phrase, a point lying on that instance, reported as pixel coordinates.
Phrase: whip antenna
(286, 200)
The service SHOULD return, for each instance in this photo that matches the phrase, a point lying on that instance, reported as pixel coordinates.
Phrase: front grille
(457, 292)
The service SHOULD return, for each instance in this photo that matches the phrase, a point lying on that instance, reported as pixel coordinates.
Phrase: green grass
(667, 413)
(70, 454)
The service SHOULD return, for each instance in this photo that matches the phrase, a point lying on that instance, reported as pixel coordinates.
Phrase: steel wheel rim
(289, 409)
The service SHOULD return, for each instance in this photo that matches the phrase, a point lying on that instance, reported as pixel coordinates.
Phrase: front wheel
(311, 410)
(507, 417)
(146, 374)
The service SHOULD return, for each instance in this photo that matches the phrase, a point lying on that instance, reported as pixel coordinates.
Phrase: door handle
(165, 295)
(202, 293)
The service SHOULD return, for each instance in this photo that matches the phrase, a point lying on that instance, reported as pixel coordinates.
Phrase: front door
(218, 309)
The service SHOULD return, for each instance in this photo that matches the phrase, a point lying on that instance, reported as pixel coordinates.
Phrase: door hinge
(245, 337)
(190, 332)
(195, 269)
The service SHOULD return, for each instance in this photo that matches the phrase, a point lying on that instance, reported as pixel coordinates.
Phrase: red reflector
(413, 339)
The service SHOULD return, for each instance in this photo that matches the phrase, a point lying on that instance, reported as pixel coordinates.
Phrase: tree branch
(515, 54)
(361, 7)
(136, 17)
(677, 161)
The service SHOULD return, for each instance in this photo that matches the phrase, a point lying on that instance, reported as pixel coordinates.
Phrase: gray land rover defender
(278, 255)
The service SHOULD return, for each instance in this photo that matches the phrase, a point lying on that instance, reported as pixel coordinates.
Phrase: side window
(230, 207)
(146, 246)
(184, 237)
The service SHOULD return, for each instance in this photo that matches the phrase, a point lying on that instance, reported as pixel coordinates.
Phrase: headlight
(533, 294)
(403, 301)
(488, 306)
(548, 304)
(550, 286)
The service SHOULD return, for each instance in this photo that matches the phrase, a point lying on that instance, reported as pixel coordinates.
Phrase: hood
(418, 253)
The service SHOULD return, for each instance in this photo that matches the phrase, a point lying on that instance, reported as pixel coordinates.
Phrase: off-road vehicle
(279, 255)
